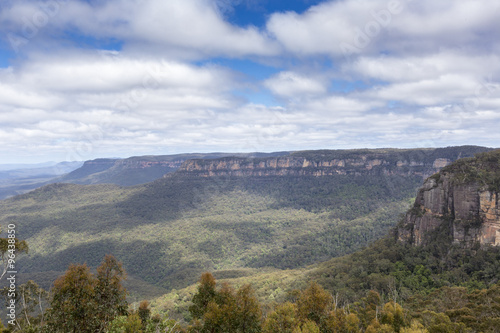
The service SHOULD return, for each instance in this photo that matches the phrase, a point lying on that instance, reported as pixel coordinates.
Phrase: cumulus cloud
(440, 90)
(352, 27)
(412, 54)
(174, 27)
(101, 79)
(62, 102)
(446, 77)
(290, 84)
(344, 74)
(197, 24)
(411, 68)
(340, 105)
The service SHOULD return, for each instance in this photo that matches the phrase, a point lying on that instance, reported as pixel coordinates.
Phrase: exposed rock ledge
(300, 166)
(469, 213)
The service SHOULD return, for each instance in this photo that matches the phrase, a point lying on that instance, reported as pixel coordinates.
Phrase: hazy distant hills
(18, 171)
(139, 169)
(19, 179)
(226, 214)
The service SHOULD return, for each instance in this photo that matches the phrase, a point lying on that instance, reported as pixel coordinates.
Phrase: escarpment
(411, 162)
(460, 203)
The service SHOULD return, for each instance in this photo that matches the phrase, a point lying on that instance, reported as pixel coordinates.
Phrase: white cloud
(196, 24)
(172, 27)
(17, 95)
(458, 20)
(411, 68)
(444, 89)
(340, 105)
(427, 76)
(349, 27)
(319, 30)
(95, 102)
(290, 84)
(93, 81)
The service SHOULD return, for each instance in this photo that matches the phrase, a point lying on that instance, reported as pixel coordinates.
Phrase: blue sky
(257, 12)
(87, 79)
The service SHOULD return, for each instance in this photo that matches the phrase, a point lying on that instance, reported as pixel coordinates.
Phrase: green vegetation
(393, 155)
(483, 169)
(396, 271)
(82, 302)
(313, 309)
(170, 231)
(389, 266)
(290, 254)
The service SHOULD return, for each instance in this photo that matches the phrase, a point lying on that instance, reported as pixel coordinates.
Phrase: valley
(284, 211)
(275, 222)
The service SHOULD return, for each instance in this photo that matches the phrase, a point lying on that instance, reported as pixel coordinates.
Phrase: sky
(83, 79)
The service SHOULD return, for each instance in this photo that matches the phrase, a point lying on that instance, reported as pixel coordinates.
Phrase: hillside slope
(125, 172)
(167, 232)
(449, 237)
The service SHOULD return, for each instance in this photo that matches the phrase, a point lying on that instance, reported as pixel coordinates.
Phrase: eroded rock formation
(359, 164)
(462, 203)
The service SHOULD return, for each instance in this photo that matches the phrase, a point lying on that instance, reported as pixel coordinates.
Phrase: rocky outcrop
(411, 162)
(139, 169)
(461, 203)
(298, 166)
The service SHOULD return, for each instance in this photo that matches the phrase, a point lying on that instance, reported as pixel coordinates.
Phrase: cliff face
(299, 166)
(143, 169)
(462, 202)
(423, 163)
(138, 169)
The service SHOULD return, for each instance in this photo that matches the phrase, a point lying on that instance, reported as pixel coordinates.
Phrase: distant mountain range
(141, 169)
(20, 166)
(18, 179)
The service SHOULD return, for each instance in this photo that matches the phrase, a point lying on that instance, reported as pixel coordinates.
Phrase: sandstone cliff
(461, 202)
(139, 169)
(411, 162)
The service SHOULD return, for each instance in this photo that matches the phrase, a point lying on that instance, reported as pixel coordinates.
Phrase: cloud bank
(86, 79)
